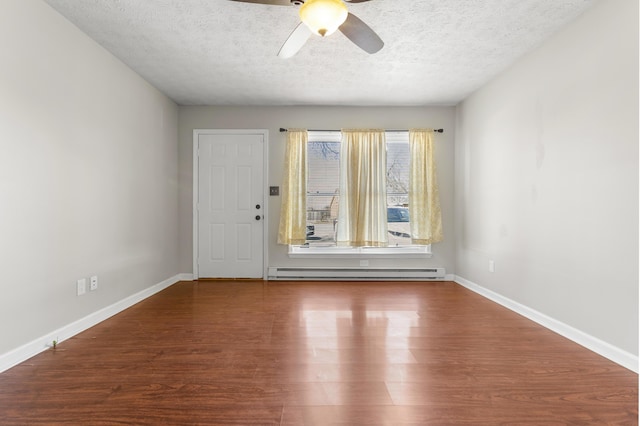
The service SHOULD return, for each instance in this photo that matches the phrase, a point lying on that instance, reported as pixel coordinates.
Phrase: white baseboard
(185, 276)
(594, 344)
(43, 343)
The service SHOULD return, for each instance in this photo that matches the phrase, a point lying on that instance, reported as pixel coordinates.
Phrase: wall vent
(357, 274)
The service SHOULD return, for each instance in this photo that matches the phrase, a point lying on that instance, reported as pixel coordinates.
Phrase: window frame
(407, 252)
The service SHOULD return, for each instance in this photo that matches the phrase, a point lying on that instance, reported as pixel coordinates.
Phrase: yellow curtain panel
(362, 212)
(424, 200)
(293, 213)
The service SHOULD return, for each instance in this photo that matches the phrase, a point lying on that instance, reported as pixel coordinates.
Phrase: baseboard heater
(357, 274)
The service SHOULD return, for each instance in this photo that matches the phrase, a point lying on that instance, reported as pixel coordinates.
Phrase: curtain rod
(282, 129)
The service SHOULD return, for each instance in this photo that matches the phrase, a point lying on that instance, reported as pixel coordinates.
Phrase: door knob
(258, 217)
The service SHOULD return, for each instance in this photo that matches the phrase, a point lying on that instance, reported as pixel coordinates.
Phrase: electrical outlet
(492, 266)
(81, 286)
(93, 285)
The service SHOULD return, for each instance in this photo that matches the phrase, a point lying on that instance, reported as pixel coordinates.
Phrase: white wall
(88, 175)
(272, 118)
(547, 178)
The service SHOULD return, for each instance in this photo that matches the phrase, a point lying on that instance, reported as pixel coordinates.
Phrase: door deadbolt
(257, 206)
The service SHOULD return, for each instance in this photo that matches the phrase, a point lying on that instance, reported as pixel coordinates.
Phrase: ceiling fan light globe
(323, 17)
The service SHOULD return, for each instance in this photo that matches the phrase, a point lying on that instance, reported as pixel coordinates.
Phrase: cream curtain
(424, 200)
(362, 210)
(293, 212)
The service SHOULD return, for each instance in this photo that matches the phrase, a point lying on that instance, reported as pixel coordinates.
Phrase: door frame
(196, 185)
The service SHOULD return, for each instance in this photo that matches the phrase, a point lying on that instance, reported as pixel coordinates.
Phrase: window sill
(412, 252)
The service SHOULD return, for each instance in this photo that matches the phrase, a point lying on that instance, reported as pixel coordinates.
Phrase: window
(323, 198)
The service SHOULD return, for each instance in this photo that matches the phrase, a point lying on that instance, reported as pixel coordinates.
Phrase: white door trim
(265, 173)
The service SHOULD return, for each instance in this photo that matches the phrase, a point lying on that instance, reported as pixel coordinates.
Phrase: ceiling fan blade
(296, 40)
(361, 34)
(273, 2)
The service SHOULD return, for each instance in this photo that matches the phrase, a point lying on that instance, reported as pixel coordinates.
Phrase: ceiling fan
(323, 17)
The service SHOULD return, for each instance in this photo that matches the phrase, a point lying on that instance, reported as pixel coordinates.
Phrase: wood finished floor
(346, 353)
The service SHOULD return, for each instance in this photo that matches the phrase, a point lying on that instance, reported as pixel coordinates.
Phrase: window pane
(398, 173)
(398, 193)
(323, 181)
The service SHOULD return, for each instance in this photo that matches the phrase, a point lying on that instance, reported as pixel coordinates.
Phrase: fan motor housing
(297, 2)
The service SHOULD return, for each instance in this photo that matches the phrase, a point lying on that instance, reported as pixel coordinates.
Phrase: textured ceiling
(219, 52)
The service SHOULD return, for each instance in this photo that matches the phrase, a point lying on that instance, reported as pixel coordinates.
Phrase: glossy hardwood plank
(230, 352)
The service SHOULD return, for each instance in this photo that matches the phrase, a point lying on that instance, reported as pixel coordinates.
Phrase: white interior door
(230, 207)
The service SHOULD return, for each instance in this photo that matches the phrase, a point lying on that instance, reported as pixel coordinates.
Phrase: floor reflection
(359, 344)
